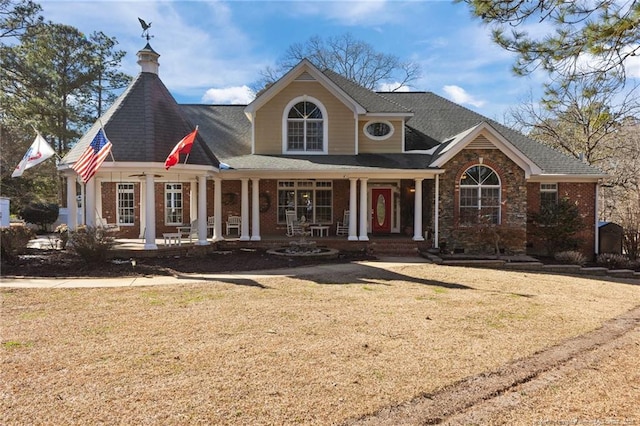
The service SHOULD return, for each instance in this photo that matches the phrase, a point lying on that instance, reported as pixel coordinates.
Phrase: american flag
(93, 157)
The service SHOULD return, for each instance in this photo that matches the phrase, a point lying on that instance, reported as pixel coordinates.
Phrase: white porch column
(364, 210)
(417, 211)
(90, 206)
(202, 211)
(255, 209)
(436, 213)
(72, 203)
(193, 201)
(98, 198)
(143, 208)
(596, 248)
(150, 213)
(353, 205)
(217, 209)
(244, 210)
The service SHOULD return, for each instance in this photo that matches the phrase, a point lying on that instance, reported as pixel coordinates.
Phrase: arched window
(479, 196)
(305, 127)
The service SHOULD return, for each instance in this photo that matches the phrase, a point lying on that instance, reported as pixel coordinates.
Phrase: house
(314, 142)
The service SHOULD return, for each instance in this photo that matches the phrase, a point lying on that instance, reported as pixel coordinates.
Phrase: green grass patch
(14, 344)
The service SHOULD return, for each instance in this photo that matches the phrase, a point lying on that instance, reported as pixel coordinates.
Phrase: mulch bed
(63, 263)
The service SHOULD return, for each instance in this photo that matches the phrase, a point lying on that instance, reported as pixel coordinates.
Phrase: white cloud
(239, 95)
(459, 95)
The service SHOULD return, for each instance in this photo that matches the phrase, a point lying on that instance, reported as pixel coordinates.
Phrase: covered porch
(375, 202)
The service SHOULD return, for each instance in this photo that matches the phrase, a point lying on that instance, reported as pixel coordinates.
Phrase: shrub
(631, 242)
(14, 240)
(557, 226)
(41, 214)
(487, 238)
(571, 257)
(613, 261)
(91, 244)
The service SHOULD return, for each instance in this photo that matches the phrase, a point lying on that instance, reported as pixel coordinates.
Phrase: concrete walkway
(188, 278)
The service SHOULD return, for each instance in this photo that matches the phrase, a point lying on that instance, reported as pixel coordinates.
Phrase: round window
(378, 130)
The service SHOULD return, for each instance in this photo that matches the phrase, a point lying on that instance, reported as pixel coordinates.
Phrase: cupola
(148, 60)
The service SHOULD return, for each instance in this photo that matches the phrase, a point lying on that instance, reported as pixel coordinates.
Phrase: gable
(481, 137)
(346, 107)
(270, 121)
(303, 72)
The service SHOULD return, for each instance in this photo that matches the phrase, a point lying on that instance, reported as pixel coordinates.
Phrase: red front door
(381, 206)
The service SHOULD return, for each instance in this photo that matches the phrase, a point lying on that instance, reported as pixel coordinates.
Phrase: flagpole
(105, 135)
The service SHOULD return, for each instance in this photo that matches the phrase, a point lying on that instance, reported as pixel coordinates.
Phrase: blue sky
(211, 51)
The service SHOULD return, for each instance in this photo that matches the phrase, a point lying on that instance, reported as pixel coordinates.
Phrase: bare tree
(594, 120)
(351, 58)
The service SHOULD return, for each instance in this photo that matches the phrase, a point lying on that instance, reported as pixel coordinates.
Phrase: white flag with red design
(38, 152)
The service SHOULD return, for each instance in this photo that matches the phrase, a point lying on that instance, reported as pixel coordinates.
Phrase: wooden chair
(189, 230)
(342, 228)
(234, 222)
(109, 227)
(293, 226)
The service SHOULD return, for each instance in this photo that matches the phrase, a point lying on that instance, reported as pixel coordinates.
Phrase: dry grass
(308, 349)
(604, 391)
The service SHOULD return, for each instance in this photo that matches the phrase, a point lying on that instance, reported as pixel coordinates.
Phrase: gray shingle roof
(441, 119)
(331, 162)
(144, 124)
(371, 101)
(226, 128)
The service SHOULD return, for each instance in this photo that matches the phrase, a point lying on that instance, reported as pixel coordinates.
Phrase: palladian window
(305, 128)
(479, 196)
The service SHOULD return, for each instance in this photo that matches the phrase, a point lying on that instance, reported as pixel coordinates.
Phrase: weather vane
(145, 29)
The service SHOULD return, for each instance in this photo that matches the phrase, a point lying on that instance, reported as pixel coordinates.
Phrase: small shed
(610, 236)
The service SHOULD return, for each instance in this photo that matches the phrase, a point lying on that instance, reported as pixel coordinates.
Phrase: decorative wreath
(228, 198)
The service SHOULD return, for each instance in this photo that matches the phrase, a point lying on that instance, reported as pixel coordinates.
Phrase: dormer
(313, 112)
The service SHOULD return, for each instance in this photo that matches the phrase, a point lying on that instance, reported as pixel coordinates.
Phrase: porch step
(394, 248)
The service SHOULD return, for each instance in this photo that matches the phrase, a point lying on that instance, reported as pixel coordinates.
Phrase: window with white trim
(126, 204)
(479, 196)
(173, 204)
(548, 195)
(378, 130)
(305, 128)
(311, 199)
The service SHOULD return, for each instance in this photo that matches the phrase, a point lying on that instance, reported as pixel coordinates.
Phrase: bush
(91, 244)
(571, 257)
(631, 242)
(613, 261)
(13, 241)
(557, 226)
(41, 214)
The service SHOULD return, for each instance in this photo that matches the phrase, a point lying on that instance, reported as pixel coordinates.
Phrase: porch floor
(377, 244)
